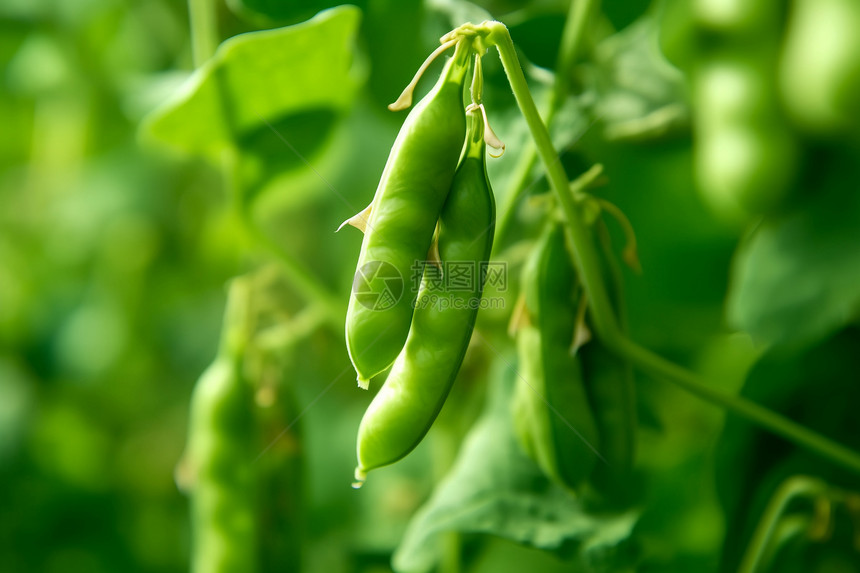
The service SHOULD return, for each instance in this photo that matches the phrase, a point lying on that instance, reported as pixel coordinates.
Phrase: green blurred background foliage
(115, 251)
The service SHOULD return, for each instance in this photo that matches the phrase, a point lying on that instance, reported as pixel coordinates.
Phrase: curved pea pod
(552, 416)
(407, 404)
(221, 446)
(401, 220)
(820, 66)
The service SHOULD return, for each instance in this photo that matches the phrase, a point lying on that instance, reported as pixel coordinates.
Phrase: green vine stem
(792, 488)
(659, 367)
(238, 319)
(279, 338)
(303, 280)
(579, 15)
(203, 16)
(585, 254)
(585, 258)
(444, 454)
(789, 529)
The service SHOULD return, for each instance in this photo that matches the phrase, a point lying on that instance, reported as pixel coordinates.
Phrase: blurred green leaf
(459, 11)
(495, 488)
(640, 95)
(66, 12)
(16, 402)
(677, 34)
(40, 65)
(259, 78)
(795, 279)
(274, 9)
(263, 11)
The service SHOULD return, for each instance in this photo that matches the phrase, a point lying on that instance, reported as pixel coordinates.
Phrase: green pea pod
(421, 377)
(611, 390)
(609, 385)
(551, 409)
(401, 220)
(220, 452)
(279, 468)
(820, 67)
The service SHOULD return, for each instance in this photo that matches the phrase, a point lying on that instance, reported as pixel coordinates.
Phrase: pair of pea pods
(424, 187)
(573, 407)
(433, 185)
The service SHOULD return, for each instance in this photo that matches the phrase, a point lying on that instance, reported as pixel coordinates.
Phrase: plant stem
(572, 40)
(793, 487)
(516, 189)
(203, 15)
(451, 549)
(284, 335)
(659, 367)
(584, 254)
(302, 279)
(585, 258)
(579, 15)
(237, 324)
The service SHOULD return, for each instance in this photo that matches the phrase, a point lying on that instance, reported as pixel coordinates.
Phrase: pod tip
(360, 478)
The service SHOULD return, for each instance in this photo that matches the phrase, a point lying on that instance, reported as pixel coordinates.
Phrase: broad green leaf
(797, 277)
(494, 488)
(257, 79)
